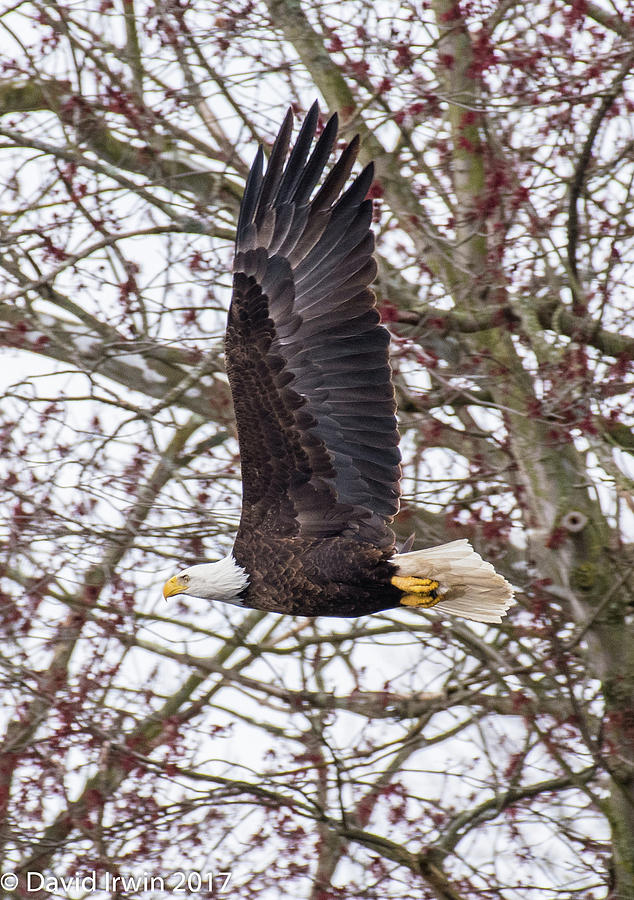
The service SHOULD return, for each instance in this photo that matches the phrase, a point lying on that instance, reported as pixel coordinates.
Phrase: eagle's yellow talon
(419, 601)
(417, 592)
(415, 585)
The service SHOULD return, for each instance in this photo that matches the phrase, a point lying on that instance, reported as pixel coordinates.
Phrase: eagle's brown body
(323, 577)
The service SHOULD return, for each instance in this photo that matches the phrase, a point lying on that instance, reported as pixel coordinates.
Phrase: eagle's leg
(417, 592)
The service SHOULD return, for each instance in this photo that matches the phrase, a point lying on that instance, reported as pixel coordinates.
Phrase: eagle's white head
(222, 580)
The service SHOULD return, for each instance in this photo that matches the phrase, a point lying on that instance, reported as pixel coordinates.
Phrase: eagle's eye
(186, 579)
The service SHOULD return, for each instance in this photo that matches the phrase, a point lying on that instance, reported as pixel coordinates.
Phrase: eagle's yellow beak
(175, 585)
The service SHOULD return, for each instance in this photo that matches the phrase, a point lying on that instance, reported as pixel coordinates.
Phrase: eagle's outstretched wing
(306, 356)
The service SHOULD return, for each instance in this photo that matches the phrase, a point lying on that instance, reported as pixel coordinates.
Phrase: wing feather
(299, 155)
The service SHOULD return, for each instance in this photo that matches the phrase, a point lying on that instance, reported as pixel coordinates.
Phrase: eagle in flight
(307, 361)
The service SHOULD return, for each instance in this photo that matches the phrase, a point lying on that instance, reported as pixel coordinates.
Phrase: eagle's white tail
(470, 586)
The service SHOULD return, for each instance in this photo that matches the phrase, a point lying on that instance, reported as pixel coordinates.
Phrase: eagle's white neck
(222, 580)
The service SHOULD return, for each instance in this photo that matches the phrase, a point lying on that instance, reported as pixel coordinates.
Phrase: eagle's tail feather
(468, 585)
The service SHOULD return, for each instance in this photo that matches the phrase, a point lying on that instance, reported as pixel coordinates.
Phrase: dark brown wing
(306, 356)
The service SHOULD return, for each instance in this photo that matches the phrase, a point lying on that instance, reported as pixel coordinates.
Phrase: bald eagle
(307, 361)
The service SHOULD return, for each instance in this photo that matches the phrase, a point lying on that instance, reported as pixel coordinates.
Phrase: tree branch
(579, 175)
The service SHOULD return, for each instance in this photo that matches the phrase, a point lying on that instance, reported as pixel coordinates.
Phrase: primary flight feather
(307, 361)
